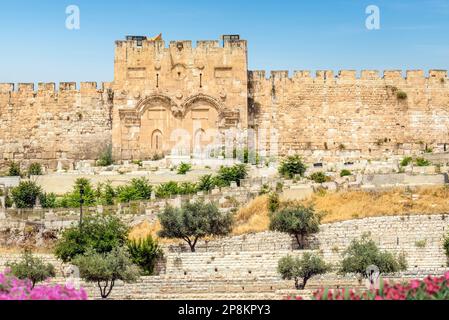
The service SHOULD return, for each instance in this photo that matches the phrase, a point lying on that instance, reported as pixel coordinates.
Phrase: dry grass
(343, 206)
(252, 218)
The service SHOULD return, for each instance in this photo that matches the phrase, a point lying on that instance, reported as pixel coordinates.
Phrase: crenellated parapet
(348, 76)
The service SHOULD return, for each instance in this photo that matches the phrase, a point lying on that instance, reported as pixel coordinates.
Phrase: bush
(345, 173)
(14, 170)
(401, 95)
(232, 174)
(194, 221)
(166, 190)
(100, 233)
(106, 157)
(145, 253)
(297, 220)
(363, 253)
(105, 269)
(184, 168)
(25, 194)
(206, 183)
(446, 245)
(32, 268)
(48, 200)
(73, 199)
(274, 202)
(35, 169)
(16, 289)
(187, 188)
(406, 161)
(108, 194)
(421, 162)
(305, 268)
(292, 166)
(431, 288)
(319, 177)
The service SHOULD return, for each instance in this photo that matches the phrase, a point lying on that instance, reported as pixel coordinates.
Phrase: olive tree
(32, 268)
(297, 220)
(194, 221)
(105, 269)
(305, 268)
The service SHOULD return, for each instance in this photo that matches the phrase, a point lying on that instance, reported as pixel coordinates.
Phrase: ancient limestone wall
(327, 117)
(48, 126)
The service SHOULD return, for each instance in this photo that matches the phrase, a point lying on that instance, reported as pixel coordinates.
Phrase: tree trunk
(300, 240)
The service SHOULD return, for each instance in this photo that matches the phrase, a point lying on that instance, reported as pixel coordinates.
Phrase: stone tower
(178, 97)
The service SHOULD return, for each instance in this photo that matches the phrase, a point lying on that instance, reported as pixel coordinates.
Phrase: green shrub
(305, 268)
(108, 194)
(273, 202)
(184, 168)
(32, 268)
(166, 190)
(25, 194)
(194, 221)
(145, 253)
(292, 166)
(106, 157)
(319, 177)
(406, 161)
(207, 183)
(297, 220)
(14, 170)
(401, 95)
(35, 169)
(421, 162)
(100, 233)
(74, 198)
(232, 174)
(105, 269)
(446, 245)
(48, 200)
(185, 188)
(345, 173)
(363, 253)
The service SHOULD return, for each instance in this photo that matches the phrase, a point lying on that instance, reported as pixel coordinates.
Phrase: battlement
(412, 76)
(51, 87)
(181, 44)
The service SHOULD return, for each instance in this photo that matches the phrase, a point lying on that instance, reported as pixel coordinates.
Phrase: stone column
(3, 207)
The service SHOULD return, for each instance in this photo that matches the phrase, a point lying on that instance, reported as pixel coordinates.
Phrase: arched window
(156, 140)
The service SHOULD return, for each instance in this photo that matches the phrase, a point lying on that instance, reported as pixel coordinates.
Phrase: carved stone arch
(166, 102)
(189, 102)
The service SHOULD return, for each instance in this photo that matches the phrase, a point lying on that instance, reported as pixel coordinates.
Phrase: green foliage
(166, 190)
(446, 245)
(25, 194)
(207, 183)
(138, 189)
(184, 168)
(106, 268)
(194, 221)
(401, 95)
(35, 169)
(363, 253)
(73, 199)
(273, 202)
(297, 220)
(185, 188)
(406, 161)
(305, 268)
(145, 253)
(292, 166)
(47, 200)
(100, 233)
(14, 170)
(421, 162)
(106, 157)
(232, 174)
(319, 177)
(345, 173)
(108, 194)
(32, 268)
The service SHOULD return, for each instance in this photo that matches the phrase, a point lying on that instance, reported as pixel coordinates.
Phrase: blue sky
(282, 35)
